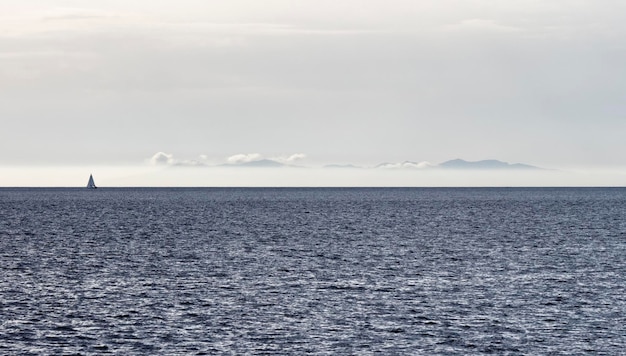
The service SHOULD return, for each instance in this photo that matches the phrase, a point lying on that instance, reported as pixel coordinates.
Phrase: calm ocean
(313, 271)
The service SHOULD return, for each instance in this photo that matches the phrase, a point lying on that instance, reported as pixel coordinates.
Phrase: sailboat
(91, 184)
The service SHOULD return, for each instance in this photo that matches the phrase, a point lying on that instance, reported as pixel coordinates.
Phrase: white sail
(91, 184)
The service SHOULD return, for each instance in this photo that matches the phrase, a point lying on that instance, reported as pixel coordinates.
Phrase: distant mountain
(490, 164)
(484, 164)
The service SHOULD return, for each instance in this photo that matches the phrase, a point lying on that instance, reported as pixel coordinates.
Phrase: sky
(106, 86)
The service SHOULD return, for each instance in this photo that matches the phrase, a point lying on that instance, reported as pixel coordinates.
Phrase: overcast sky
(342, 81)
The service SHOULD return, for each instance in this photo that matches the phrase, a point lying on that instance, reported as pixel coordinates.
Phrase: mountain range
(261, 163)
(456, 164)
(484, 164)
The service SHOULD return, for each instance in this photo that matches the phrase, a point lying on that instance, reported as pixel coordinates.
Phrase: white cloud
(296, 157)
(425, 164)
(167, 159)
(291, 158)
(162, 158)
(406, 164)
(243, 158)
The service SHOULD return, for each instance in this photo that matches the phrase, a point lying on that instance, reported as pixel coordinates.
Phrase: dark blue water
(318, 271)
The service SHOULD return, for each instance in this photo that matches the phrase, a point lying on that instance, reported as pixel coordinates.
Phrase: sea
(320, 271)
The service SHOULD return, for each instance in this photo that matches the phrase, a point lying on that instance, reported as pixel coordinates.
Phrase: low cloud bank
(258, 160)
(244, 158)
(406, 164)
(240, 159)
(295, 157)
(167, 159)
(162, 159)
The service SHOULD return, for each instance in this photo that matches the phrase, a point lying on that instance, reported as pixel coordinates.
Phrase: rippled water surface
(317, 271)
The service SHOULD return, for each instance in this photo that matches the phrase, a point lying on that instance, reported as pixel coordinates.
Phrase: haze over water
(319, 271)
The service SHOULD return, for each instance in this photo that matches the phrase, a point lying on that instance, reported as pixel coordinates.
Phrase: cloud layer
(406, 164)
(162, 158)
(257, 160)
(167, 159)
(243, 158)
(435, 78)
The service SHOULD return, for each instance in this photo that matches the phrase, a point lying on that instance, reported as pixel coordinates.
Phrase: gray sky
(352, 81)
